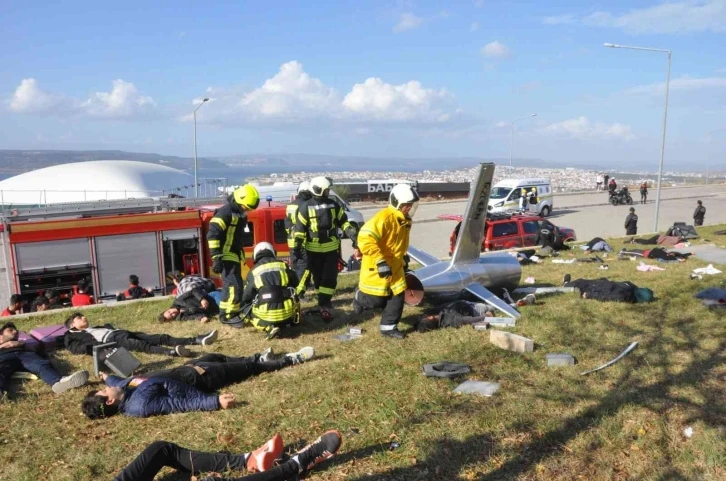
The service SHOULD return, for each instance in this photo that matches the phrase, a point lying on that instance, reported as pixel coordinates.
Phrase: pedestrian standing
(631, 223)
(605, 179)
(598, 182)
(644, 192)
(699, 214)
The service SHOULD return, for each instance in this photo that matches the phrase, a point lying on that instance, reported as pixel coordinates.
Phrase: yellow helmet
(247, 196)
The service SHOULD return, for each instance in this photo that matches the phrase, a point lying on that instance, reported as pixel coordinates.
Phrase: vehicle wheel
(614, 201)
(545, 211)
(629, 200)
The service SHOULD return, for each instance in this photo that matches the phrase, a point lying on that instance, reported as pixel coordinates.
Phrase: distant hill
(13, 162)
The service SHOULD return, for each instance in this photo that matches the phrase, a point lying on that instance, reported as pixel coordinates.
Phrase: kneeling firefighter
(298, 257)
(225, 240)
(383, 240)
(270, 292)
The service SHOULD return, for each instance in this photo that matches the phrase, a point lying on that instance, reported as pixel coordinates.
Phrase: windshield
(500, 192)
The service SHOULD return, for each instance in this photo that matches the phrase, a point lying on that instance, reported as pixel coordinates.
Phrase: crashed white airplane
(468, 273)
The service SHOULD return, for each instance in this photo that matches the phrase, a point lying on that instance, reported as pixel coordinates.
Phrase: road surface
(579, 211)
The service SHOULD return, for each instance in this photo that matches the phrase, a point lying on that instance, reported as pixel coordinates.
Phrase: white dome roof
(94, 180)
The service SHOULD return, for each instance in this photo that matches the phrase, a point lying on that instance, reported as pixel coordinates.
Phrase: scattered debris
(511, 342)
(688, 432)
(563, 261)
(696, 276)
(529, 280)
(643, 267)
(707, 270)
(393, 445)
(603, 267)
(446, 369)
(495, 322)
(352, 334)
(610, 363)
(560, 360)
(482, 388)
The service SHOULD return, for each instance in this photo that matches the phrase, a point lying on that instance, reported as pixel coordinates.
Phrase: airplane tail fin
(471, 233)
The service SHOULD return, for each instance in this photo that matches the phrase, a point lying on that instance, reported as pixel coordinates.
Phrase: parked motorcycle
(620, 197)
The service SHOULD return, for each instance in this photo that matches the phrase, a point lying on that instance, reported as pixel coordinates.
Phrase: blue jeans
(26, 361)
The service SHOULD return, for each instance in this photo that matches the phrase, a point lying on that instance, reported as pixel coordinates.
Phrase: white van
(506, 193)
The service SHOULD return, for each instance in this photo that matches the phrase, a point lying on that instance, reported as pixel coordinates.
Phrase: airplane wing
(456, 217)
(423, 258)
(486, 295)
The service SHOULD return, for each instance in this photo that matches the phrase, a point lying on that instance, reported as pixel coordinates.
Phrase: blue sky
(400, 78)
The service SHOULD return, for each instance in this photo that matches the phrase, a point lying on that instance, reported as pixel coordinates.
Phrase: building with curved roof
(93, 180)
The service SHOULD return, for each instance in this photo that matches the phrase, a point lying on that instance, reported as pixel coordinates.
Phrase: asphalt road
(587, 213)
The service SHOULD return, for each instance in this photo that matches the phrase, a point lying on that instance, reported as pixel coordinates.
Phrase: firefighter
(384, 244)
(316, 231)
(270, 291)
(226, 230)
(299, 264)
(699, 213)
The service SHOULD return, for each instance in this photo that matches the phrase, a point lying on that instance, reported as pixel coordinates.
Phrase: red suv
(508, 231)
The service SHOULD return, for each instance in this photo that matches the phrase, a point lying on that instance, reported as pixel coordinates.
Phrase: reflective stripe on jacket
(385, 236)
(291, 219)
(269, 281)
(309, 217)
(226, 233)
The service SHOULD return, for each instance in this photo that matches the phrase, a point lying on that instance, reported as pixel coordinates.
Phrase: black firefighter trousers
(229, 306)
(392, 307)
(324, 269)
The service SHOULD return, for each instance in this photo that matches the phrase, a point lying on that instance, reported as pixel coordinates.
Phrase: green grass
(625, 422)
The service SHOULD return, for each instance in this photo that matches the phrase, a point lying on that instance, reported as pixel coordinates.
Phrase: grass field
(625, 422)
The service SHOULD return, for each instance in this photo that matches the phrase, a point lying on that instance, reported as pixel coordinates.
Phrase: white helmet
(303, 187)
(320, 186)
(262, 247)
(403, 194)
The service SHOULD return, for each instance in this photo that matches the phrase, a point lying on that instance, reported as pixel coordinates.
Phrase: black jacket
(81, 342)
(228, 220)
(190, 305)
(134, 292)
(631, 224)
(605, 290)
(545, 237)
(699, 213)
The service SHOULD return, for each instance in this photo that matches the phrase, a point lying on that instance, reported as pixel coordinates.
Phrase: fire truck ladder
(110, 207)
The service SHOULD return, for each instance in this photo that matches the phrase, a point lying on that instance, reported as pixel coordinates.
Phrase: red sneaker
(262, 458)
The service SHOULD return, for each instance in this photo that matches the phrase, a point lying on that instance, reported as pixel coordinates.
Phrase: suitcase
(119, 360)
(51, 337)
(31, 343)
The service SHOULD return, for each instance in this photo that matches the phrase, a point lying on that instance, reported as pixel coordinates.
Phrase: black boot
(394, 334)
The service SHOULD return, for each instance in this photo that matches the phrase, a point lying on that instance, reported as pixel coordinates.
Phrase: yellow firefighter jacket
(384, 236)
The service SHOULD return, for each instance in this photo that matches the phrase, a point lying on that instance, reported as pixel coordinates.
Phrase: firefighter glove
(384, 270)
(406, 262)
(217, 266)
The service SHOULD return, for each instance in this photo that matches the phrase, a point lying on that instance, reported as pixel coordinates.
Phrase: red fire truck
(55, 247)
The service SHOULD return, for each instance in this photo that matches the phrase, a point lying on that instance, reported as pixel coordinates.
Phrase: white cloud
(479, 3)
(474, 26)
(122, 102)
(495, 49)
(683, 84)
(664, 18)
(583, 128)
(29, 98)
(292, 96)
(408, 21)
(721, 70)
(559, 20)
(501, 124)
(376, 100)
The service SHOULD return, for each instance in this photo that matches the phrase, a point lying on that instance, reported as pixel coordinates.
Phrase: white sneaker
(304, 354)
(182, 351)
(267, 355)
(77, 379)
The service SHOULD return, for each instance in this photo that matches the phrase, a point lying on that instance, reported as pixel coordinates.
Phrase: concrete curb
(70, 310)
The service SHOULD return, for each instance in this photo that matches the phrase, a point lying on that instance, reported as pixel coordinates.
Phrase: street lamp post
(511, 137)
(665, 117)
(194, 114)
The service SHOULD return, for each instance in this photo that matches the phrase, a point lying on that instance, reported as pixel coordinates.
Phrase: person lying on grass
(193, 301)
(261, 461)
(184, 388)
(455, 314)
(80, 339)
(14, 357)
(607, 290)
